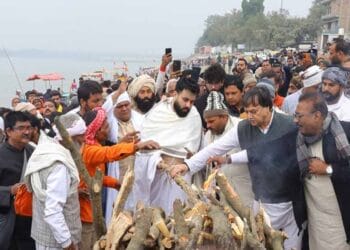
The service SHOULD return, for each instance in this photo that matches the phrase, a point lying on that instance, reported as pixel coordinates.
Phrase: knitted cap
(215, 105)
(269, 85)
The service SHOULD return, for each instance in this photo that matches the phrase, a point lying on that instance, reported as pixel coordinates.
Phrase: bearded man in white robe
(176, 125)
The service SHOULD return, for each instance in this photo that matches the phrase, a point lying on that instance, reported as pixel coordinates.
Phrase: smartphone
(195, 73)
(176, 65)
(168, 51)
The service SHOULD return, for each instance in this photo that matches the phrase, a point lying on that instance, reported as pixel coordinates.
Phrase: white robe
(113, 167)
(161, 124)
(341, 108)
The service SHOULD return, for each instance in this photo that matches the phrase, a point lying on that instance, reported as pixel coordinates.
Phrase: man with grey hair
(334, 82)
(53, 178)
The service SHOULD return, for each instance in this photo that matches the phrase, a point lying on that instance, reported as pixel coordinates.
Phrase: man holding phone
(160, 81)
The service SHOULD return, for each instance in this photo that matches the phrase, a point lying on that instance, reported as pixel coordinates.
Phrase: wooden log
(158, 220)
(94, 183)
(143, 223)
(181, 227)
(275, 238)
(117, 229)
(221, 228)
(191, 194)
(231, 196)
(100, 244)
(260, 226)
(250, 239)
(124, 192)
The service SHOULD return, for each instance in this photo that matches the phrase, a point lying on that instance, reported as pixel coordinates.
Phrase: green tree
(252, 8)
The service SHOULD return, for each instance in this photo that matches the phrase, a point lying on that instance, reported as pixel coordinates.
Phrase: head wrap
(73, 123)
(336, 75)
(139, 82)
(248, 80)
(95, 125)
(124, 97)
(312, 76)
(268, 84)
(24, 106)
(215, 105)
(168, 84)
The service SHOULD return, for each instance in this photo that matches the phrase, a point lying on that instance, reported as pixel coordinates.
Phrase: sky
(143, 27)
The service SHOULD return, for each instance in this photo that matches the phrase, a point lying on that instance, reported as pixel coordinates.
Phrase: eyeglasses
(299, 116)
(23, 128)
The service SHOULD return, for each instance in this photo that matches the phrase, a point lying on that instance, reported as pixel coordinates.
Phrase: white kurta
(326, 230)
(341, 108)
(113, 167)
(152, 186)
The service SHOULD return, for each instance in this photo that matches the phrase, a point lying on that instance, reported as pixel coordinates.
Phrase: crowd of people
(280, 133)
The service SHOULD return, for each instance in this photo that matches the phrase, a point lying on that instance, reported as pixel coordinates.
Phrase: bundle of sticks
(204, 222)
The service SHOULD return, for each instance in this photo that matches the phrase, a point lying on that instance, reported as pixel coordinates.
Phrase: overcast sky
(124, 26)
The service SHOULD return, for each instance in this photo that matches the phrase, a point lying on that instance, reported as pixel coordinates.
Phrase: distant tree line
(250, 26)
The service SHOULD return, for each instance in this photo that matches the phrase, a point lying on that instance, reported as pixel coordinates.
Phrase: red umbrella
(46, 77)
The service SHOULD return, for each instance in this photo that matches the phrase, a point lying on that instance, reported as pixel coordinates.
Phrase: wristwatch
(329, 170)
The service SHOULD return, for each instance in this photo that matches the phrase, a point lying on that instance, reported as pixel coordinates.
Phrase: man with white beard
(125, 124)
(176, 125)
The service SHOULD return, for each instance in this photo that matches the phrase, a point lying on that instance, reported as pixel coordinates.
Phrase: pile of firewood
(203, 222)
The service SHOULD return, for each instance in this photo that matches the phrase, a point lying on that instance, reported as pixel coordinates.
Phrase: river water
(70, 68)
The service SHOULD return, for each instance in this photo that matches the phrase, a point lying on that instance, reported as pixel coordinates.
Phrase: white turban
(139, 82)
(73, 123)
(123, 98)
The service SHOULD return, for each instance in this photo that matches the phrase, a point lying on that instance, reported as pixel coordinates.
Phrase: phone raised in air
(168, 51)
(176, 65)
(196, 71)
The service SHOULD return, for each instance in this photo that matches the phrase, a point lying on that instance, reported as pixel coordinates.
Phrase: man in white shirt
(270, 182)
(53, 178)
(333, 83)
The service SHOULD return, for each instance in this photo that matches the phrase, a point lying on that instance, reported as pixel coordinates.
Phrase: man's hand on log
(178, 169)
(147, 145)
(217, 160)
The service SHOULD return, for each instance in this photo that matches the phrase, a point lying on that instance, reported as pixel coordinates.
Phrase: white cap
(312, 76)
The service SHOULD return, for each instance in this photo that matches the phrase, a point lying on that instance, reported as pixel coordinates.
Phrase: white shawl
(47, 152)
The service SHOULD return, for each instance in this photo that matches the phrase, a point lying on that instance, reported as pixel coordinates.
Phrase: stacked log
(202, 223)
